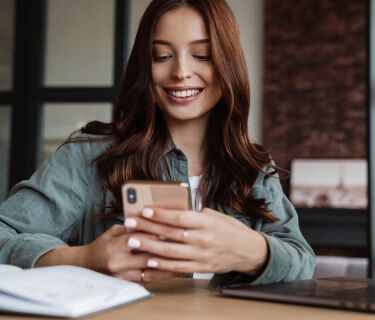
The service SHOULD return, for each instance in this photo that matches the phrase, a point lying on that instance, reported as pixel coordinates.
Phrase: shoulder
(74, 159)
(84, 147)
(69, 167)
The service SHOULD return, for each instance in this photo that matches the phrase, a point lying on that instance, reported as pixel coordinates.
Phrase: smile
(184, 93)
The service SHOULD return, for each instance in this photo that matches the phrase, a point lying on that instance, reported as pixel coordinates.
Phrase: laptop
(338, 292)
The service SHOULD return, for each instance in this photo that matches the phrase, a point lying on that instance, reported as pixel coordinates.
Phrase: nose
(181, 69)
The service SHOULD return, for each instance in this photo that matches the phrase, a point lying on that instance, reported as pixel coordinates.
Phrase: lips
(183, 95)
(183, 92)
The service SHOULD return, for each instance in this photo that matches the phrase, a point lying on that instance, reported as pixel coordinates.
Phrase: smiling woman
(181, 116)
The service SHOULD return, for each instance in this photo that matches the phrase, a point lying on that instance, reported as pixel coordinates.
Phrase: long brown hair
(140, 135)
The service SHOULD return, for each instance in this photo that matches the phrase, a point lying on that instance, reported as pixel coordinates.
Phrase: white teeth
(184, 93)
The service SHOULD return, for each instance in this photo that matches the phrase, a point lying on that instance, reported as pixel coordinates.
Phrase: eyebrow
(165, 42)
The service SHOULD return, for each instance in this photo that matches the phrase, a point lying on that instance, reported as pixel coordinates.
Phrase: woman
(181, 116)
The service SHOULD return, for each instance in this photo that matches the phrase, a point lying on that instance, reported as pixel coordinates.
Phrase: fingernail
(134, 243)
(152, 263)
(130, 223)
(147, 212)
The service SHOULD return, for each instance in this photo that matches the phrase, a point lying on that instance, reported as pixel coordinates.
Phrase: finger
(142, 235)
(116, 230)
(149, 275)
(179, 266)
(128, 261)
(166, 249)
(141, 224)
(162, 230)
(130, 275)
(177, 218)
(117, 245)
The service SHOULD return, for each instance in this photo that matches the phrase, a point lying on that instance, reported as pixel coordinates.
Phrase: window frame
(28, 92)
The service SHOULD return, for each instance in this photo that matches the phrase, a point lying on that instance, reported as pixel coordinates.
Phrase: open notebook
(63, 291)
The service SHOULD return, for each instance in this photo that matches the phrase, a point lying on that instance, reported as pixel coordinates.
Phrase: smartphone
(137, 195)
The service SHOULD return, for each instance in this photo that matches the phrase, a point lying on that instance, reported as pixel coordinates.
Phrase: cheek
(159, 75)
(214, 84)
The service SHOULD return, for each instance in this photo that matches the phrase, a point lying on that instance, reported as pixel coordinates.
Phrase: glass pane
(79, 43)
(61, 119)
(137, 8)
(6, 44)
(5, 125)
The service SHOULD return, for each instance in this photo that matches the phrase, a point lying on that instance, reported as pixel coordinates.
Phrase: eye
(202, 58)
(161, 58)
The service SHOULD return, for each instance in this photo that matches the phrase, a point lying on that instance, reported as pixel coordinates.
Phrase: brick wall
(315, 72)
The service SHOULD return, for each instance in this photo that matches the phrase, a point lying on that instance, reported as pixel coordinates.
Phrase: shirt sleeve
(290, 256)
(43, 212)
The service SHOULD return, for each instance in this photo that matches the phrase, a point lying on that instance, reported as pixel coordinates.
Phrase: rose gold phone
(137, 195)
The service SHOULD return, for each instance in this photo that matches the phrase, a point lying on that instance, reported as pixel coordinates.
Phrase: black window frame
(28, 92)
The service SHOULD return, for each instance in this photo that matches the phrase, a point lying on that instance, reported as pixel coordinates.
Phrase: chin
(182, 113)
(184, 117)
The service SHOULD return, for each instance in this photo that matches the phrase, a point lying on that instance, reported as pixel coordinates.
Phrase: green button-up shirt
(59, 205)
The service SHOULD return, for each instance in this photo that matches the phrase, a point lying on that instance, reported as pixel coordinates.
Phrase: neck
(190, 137)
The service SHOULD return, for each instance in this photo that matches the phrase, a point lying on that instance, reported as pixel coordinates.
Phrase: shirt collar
(171, 148)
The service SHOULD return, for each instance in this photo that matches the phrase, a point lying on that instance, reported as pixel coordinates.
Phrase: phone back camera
(132, 196)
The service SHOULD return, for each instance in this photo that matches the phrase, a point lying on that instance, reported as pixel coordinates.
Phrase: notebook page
(6, 268)
(67, 287)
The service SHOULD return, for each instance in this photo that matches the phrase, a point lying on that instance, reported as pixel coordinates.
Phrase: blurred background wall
(315, 79)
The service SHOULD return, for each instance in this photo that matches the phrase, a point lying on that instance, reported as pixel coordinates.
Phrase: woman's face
(184, 80)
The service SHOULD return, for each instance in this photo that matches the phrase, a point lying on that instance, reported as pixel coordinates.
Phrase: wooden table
(181, 299)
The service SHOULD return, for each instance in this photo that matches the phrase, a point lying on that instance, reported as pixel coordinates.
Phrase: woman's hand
(205, 241)
(110, 254)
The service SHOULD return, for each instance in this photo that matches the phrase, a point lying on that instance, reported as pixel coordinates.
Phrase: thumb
(116, 230)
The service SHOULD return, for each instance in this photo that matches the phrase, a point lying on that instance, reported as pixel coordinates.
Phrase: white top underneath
(196, 205)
